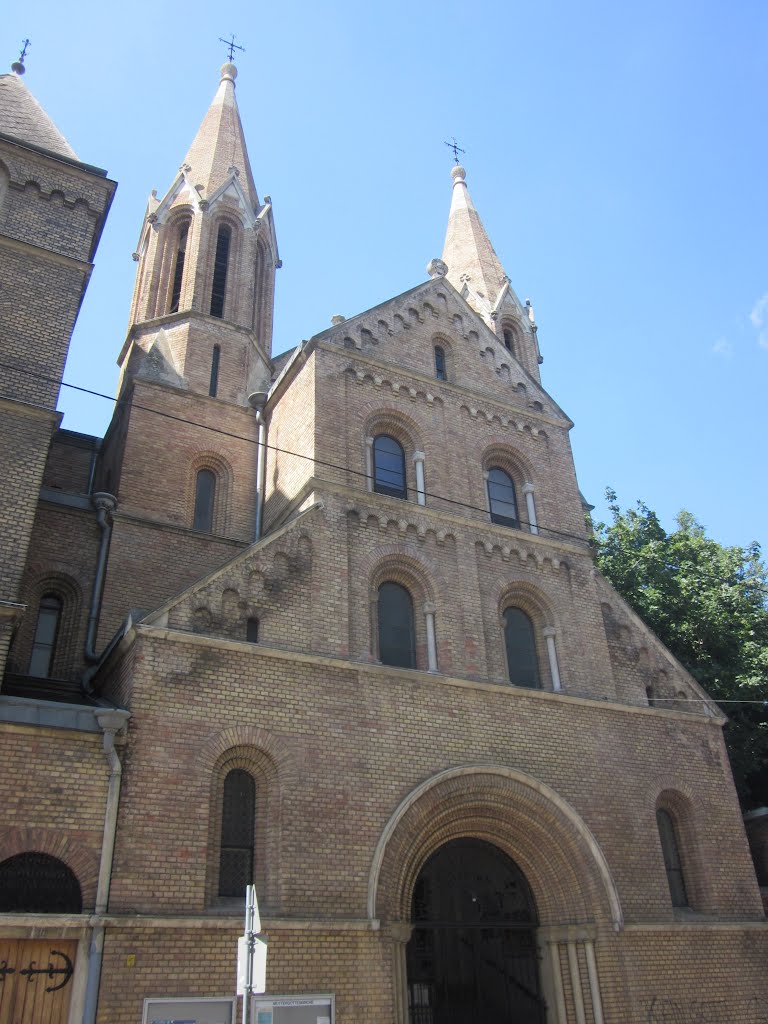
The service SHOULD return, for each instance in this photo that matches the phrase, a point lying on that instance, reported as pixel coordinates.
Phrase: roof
(22, 118)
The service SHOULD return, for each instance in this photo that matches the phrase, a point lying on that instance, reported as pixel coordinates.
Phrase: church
(329, 623)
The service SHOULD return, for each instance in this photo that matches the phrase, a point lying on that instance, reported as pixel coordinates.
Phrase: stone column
(549, 635)
(401, 933)
(421, 496)
(578, 996)
(528, 492)
(429, 618)
(374, 626)
(369, 463)
(594, 984)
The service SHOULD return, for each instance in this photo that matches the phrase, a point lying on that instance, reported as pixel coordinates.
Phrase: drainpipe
(104, 504)
(258, 400)
(111, 721)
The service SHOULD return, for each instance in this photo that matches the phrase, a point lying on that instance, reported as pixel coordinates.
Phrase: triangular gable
(614, 599)
(224, 573)
(424, 300)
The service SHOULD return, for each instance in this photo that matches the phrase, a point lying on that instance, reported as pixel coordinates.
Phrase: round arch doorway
(471, 958)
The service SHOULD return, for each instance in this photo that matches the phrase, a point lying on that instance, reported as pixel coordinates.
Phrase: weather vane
(18, 65)
(231, 46)
(456, 148)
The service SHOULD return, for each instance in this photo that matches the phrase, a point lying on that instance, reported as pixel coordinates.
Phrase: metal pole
(250, 896)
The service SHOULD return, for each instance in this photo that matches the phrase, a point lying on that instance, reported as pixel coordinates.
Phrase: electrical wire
(344, 469)
(283, 451)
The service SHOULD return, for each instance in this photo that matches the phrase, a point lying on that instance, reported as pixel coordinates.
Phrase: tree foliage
(709, 605)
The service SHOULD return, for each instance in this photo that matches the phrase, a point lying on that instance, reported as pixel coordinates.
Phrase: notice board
(309, 1009)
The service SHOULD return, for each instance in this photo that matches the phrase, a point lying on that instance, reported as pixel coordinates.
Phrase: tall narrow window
(213, 387)
(440, 363)
(178, 269)
(220, 266)
(397, 644)
(508, 341)
(205, 497)
(389, 467)
(502, 501)
(238, 820)
(252, 630)
(522, 660)
(46, 631)
(672, 862)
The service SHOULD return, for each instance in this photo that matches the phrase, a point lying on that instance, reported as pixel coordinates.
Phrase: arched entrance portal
(471, 958)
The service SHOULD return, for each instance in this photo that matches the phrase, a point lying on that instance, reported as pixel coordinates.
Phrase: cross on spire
(456, 149)
(18, 65)
(231, 46)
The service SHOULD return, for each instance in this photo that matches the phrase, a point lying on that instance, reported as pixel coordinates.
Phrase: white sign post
(251, 955)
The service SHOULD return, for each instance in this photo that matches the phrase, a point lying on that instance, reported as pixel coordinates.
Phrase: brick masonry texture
(361, 771)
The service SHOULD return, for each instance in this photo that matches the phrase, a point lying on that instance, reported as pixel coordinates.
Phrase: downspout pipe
(111, 720)
(104, 504)
(258, 401)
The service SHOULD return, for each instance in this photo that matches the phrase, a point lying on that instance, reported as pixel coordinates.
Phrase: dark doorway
(472, 958)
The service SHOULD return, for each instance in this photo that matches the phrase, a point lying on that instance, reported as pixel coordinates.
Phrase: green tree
(709, 605)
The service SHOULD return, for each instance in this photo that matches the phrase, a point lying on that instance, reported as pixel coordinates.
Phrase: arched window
(213, 386)
(205, 497)
(440, 363)
(509, 342)
(220, 266)
(238, 821)
(672, 861)
(522, 660)
(397, 644)
(36, 883)
(502, 501)
(389, 467)
(46, 631)
(178, 269)
(252, 630)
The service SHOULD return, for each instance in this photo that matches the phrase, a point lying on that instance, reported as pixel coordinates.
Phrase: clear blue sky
(617, 155)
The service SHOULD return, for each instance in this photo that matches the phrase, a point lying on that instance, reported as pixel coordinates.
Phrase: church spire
(468, 253)
(475, 271)
(218, 150)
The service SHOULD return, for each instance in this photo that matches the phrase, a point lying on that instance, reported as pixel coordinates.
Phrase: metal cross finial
(456, 148)
(18, 65)
(231, 46)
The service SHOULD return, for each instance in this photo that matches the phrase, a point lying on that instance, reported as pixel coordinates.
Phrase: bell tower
(201, 315)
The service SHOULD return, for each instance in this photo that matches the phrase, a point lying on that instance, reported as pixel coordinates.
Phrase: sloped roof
(468, 251)
(22, 117)
(220, 143)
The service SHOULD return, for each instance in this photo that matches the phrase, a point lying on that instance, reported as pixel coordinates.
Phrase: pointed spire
(468, 252)
(22, 117)
(219, 145)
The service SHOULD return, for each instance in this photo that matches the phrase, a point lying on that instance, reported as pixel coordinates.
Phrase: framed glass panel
(389, 467)
(502, 500)
(238, 819)
(46, 632)
(396, 633)
(672, 862)
(440, 363)
(205, 495)
(522, 660)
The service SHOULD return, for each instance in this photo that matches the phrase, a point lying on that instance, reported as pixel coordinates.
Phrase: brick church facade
(330, 623)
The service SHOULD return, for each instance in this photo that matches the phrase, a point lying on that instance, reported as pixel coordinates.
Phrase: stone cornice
(33, 411)
(431, 385)
(213, 921)
(395, 509)
(40, 251)
(379, 671)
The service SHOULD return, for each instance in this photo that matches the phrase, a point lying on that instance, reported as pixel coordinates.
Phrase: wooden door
(36, 980)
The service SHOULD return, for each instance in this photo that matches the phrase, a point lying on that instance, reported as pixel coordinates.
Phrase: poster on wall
(189, 1011)
(309, 1009)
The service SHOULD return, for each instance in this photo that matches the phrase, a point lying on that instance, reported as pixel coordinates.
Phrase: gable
(405, 330)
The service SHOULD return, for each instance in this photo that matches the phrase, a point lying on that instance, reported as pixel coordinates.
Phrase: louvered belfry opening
(220, 266)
